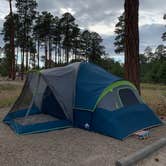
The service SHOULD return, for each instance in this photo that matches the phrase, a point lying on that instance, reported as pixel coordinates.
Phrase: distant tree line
(47, 39)
(42, 39)
(152, 63)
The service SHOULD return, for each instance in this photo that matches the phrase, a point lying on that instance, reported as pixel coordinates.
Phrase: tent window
(108, 102)
(128, 97)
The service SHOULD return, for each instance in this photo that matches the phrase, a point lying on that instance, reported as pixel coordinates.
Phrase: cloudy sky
(101, 16)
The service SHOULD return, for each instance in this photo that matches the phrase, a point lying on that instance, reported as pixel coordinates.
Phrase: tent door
(51, 106)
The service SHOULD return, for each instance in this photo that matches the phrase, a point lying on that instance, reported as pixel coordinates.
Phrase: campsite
(85, 148)
(80, 86)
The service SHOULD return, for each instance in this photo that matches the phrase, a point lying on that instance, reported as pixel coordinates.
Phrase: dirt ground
(156, 159)
(69, 147)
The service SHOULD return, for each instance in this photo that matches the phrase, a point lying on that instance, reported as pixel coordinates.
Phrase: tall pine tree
(120, 34)
(132, 66)
(26, 10)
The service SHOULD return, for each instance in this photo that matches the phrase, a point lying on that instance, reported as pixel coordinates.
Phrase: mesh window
(36, 103)
(25, 97)
(128, 97)
(108, 102)
(29, 89)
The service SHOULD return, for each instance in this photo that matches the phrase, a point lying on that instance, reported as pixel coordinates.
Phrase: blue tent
(81, 95)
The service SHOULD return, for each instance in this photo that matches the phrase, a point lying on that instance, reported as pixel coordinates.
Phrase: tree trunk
(55, 55)
(10, 65)
(132, 66)
(22, 65)
(34, 60)
(46, 54)
(16, 61)
(59, 53)
(38, 54)
(67, 55)
(27, 59)
(50, 53)
(12, 49)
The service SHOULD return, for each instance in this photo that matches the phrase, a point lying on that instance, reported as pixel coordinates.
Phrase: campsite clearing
(82, 95)
(68, 147)
(153, 94)
(74, 146)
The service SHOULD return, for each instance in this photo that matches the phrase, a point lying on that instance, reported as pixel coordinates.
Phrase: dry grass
(9, 93)
(153, 94)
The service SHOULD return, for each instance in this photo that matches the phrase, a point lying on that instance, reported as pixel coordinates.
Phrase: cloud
(65, 10)
(1, 36)
(150, 35)
(101, 16)
(4, 9)
(102, 29)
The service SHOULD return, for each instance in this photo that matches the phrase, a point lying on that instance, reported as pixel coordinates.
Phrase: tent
(80, 95)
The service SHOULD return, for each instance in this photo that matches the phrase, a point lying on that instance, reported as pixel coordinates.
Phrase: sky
(101, 16)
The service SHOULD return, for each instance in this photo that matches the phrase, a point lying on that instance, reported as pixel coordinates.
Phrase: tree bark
(38, 54)
(55, 55)
(59, 53)
(50, 53)
(46, 61)
(132, 66)
(67, 55)
(22, 65)
(12, 49)
(27, 59)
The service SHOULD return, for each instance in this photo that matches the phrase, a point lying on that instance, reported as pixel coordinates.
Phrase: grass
(153, 94)
(8, 94)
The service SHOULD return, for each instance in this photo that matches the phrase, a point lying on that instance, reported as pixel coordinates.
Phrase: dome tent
(81, 95)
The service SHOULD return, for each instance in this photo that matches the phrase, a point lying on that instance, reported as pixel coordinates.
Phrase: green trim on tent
(110, 89)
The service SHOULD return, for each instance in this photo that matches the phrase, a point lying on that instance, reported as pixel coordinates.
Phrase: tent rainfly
(81, 95)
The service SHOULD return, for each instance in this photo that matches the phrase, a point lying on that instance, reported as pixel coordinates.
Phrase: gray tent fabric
(62, 81)
(108, 102)
(40, 92)
(112, 100)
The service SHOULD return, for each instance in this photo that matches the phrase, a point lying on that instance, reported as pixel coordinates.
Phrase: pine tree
(12, 48)
(86, 43)
(7, 39)
(91, 44)
(132, 66)
(97, 49)
(149, 54)
(120, 34)
(160, 53)
(164, 34)
(67, 24)
(26, 10)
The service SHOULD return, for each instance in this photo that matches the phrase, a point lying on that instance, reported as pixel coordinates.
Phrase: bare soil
(69, 147)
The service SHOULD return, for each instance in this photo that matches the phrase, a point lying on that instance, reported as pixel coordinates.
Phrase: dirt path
(69, 147)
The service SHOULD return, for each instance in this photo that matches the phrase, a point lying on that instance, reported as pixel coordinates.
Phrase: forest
(43, 40)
